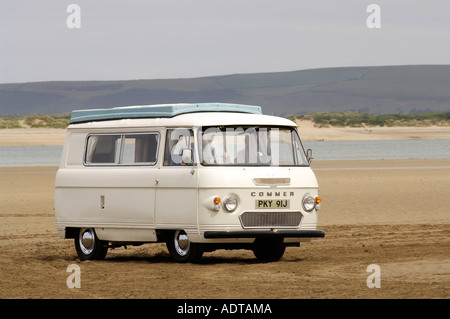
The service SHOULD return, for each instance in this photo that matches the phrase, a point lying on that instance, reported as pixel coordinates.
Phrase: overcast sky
(154, 39)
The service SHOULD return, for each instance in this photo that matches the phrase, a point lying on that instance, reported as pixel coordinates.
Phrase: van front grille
(270, 219)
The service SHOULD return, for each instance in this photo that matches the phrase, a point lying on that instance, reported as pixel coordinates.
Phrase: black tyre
(182, 249)
(88, 246)
(266, 250)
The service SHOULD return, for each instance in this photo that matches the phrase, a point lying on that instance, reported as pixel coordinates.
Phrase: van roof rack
(156, 111)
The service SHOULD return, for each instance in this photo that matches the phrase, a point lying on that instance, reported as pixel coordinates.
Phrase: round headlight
(308, 202)
(230, 203)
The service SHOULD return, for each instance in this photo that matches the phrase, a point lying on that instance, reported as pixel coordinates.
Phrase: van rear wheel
(182, 249)
(88, 246)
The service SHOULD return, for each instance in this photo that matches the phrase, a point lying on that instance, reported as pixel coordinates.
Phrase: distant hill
(377, 90)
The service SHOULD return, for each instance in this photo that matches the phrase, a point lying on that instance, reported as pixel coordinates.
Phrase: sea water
(382, 149)
(30, 155)
(324, 150)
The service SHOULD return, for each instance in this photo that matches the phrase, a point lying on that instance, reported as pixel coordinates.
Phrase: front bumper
(265, 234)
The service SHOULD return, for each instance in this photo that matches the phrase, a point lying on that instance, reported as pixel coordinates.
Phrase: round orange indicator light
(216, 200)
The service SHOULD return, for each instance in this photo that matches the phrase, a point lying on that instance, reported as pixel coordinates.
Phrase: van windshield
(251, 146)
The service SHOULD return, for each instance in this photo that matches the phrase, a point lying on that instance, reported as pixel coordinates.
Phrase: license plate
(272, 203)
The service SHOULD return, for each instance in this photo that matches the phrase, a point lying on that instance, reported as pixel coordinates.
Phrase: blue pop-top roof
(154, 111)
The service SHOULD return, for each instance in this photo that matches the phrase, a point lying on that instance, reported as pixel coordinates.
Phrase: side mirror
(186, 157)
(309, 155)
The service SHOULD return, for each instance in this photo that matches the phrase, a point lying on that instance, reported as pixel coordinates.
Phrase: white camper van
(198, 177)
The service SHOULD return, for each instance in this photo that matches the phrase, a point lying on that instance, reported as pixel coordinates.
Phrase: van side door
(115, 191)
(176, 191)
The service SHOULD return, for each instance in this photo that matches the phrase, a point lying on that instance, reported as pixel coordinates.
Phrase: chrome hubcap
(87, 240)
(182, 242)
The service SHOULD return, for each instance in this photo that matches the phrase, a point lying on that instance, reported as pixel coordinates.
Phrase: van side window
(123, 149)
(178, 140)
(103, 149)
(140, 148)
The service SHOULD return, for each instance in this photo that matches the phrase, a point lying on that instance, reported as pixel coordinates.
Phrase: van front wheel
(265, 250)
(88, 246)
(182, 249)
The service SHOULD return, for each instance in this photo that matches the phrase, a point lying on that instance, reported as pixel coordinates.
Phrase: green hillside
(376, 90)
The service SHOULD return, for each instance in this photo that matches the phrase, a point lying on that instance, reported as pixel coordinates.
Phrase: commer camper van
(197, 177)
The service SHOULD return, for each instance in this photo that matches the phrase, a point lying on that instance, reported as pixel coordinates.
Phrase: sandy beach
(32, 137)
(307, 130)
(395, 218)
(392, 213)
